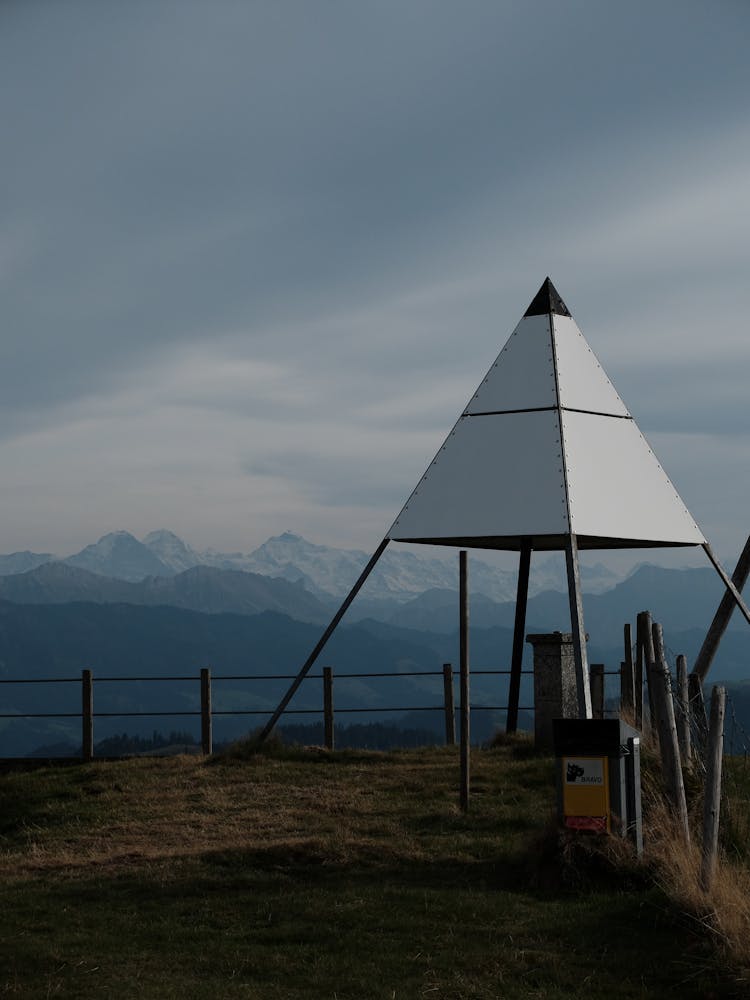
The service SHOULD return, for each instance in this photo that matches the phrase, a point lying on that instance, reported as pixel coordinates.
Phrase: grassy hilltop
(346, 876)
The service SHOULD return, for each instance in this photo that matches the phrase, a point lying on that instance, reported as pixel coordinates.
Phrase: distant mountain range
(680, 599)
(152, 643)
(324, 571)
(156, 607)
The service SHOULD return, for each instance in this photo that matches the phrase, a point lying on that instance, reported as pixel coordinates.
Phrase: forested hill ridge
(45, 641)
(201, 588)
(153, 643)
(680, 599)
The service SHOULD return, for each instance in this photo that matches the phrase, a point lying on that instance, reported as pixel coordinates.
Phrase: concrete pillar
(555, 691)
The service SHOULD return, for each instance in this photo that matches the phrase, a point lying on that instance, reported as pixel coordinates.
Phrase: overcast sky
(256, 256)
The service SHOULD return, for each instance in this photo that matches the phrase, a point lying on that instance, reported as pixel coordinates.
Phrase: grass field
(303, 874)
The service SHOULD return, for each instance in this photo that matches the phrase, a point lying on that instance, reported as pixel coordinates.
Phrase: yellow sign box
(586, 793)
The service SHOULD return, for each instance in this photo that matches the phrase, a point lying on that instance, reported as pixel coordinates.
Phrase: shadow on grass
(45, 800)
(296, 898)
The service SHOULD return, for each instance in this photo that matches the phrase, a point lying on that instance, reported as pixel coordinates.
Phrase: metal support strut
(321, 642)
(519, 628)
(576, 624)
(723, 613)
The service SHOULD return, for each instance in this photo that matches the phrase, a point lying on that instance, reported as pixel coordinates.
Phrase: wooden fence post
(683, 716)
(644, 656)
(712, 796)
(657, 658)
(639, 674)
(670, 750)
(450, 705)
(206, 718)
(464, 650)
(328, 716)
(627, 677)
(87, 714)
(597, 690)
(653, 680)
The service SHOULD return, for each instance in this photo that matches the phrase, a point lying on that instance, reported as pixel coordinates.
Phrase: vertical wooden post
(576, 626)
(206, 718)
(638, 674)
(450, 705)
(627, 677)
(683, 715)
(645, 656)
(670, 750)
(712, 797)
(597, 690)
(328, 717)
(657, 657)
(653, 680)
(519, 629)
(464, 650)
(87, 714)
(657, 637)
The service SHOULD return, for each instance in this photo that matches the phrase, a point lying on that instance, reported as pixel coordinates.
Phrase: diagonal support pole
(514, 691)
(723, 614)
(576, 623)
(321, 642)
(736, 595)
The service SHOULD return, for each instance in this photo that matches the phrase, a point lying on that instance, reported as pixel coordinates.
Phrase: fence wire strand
(735, 787)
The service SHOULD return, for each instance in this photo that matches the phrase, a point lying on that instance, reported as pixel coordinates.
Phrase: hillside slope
(200, 588)
(310, 876)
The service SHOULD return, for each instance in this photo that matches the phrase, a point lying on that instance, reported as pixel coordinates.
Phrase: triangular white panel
(582, 382)
(546, 448)
(493, 472)
(616, 486)
(523, 376)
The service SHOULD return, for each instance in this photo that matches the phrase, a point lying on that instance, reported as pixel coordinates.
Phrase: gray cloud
(272, 225)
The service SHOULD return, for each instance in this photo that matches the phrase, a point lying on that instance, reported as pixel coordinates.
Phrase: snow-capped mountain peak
(327, 572)
(171, 550)
(119, 554)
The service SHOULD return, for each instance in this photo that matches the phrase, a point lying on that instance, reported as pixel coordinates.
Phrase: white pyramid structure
(546, 449)
(544, 456)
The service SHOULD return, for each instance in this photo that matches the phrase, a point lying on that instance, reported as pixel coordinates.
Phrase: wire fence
(206, 702)
(735, 787)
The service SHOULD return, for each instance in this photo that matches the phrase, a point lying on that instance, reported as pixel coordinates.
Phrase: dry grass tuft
(521, 745)
(560, 860)
(251, 746)
(723, 910)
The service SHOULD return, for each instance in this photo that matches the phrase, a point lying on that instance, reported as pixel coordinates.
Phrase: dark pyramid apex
(547, 301)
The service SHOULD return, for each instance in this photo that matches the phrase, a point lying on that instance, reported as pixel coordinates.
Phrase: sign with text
(586, 793)
(584, 770)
